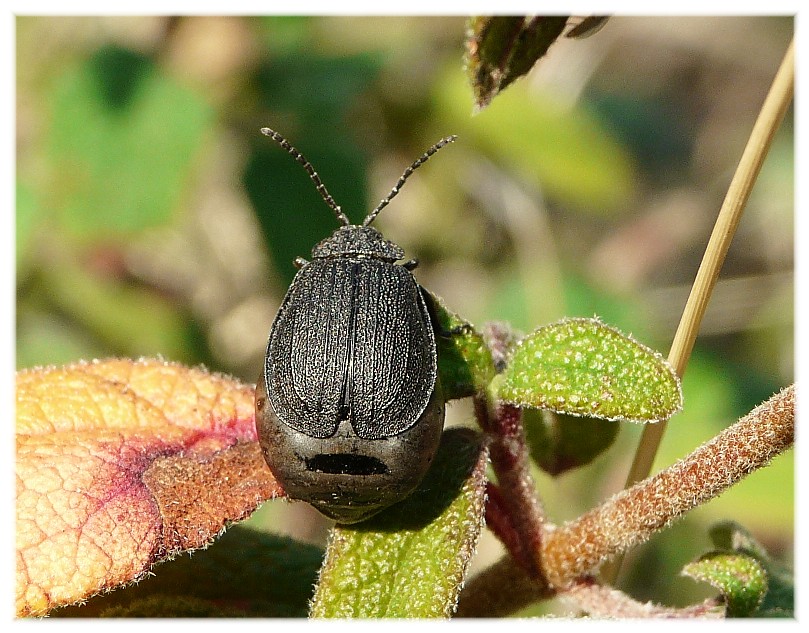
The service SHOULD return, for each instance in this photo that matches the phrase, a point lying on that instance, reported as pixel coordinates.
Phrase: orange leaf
(121, 464)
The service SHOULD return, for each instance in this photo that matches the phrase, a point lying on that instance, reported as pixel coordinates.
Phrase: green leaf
(732, 537)
(411, 560)
(740, 578)
(584, 367)
(245, 572)
(172, 607)
(500, 49)
(567, 151)
(465, 363)
(45, 338)
(779, 601)
(559, 442)
(124, 141)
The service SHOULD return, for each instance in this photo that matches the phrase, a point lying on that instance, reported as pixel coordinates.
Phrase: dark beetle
(349, 408)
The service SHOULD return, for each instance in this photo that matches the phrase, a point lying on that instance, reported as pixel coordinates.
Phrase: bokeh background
(154, 219)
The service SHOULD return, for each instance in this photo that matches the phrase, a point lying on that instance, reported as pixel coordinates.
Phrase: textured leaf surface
(121, 464)
(410, 561)
(779, 599)
(739, 577)
(584, 367)
(465, 363)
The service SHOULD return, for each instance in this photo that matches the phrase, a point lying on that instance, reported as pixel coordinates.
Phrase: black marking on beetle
(346, 464)
(349, 407)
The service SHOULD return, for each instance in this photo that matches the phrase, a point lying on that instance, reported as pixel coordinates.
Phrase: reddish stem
(518, 499)
(499, 522)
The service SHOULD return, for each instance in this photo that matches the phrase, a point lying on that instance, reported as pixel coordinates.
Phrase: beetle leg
(299, 262)
(410, 264)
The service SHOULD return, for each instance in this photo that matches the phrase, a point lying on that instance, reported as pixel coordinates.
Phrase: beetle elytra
(349, 406)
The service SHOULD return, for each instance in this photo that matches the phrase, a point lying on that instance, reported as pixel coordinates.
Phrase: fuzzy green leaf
(411, 560)
(465, 363)
(740, 578)
(584, 367)
(779, 601)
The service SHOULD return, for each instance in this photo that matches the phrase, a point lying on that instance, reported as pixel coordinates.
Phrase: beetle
(349, 406)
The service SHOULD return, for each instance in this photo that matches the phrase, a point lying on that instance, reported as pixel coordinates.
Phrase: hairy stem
(498, 520)
(511, 463)
(500, 590)
(633, 515)
(515, 498)
(574, 550)
(599, 601)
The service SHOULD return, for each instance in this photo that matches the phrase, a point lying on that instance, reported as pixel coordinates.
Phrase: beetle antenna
(407, 172)
(301, 159)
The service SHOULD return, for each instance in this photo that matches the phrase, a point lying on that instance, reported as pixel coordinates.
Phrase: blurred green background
(153, 217)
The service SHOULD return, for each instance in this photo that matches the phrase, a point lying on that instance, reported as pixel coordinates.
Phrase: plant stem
(500, 590)
(511, 463)
(633, 515)
(758, 145)
(514, 509)
(630, 517)
(498, 520)
(598, 601)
